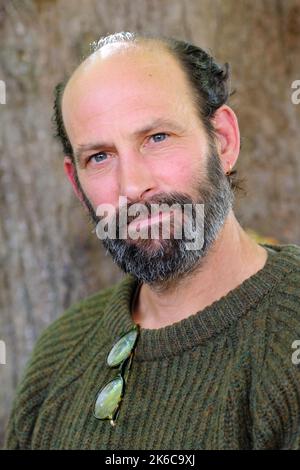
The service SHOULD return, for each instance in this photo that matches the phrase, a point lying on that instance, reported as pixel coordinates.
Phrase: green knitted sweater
(222, 378)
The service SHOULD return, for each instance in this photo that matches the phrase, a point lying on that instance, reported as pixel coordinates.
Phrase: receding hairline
(152, 45)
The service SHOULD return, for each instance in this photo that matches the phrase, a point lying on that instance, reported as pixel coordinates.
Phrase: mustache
(168, 199)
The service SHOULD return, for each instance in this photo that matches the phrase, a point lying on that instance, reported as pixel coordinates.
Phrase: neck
(233, 258)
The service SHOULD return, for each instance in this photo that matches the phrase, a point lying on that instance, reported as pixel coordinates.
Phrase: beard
(161, 263)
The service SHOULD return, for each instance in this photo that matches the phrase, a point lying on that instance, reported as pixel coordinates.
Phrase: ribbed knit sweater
(222, 378)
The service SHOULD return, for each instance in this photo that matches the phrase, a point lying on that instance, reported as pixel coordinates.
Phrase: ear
(69, 169)
(228, 136)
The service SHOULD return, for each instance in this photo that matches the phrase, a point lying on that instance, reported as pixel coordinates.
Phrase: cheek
(180, 170)
(99, 190)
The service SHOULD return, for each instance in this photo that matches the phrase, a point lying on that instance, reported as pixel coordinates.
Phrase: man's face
(135, 133)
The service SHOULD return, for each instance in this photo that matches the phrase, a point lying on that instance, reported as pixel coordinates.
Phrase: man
(205, 338)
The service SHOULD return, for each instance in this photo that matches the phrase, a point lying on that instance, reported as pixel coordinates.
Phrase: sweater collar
(199, 327)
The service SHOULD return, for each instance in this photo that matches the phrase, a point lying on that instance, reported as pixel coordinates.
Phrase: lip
(141, 223)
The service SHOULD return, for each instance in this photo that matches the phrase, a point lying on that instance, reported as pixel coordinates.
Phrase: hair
(208, 80)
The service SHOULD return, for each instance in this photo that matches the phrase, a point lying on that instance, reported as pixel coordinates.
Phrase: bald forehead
(125, 51)
(148, 56)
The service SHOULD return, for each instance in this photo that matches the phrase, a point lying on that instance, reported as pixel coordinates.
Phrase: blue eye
(159, 135)
(98, 157)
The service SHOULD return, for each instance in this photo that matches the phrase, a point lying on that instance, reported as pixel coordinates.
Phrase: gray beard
(170, 261)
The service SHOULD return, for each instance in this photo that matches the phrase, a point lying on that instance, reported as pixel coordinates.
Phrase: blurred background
(49, 256)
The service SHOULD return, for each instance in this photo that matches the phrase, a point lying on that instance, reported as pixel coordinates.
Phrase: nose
(137, 181)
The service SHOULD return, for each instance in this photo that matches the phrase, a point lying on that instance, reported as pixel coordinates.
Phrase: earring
(229, 171)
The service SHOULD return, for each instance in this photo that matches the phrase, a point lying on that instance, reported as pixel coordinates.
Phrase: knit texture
(222, 378)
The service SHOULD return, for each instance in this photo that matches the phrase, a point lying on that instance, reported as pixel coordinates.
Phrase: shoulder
(278, 322)
(284, 315)
(61, 335)
(78, 317)
(276, 384)
(282, 319)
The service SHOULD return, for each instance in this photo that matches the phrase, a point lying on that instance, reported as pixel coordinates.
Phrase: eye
(99, 157)
(159, 137)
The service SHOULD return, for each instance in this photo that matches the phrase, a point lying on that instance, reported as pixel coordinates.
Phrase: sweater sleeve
(276, 392)
(11, 441)
(35, 382)
(51, 350)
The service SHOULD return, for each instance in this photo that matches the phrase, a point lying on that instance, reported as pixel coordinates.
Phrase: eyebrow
(81, 148)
